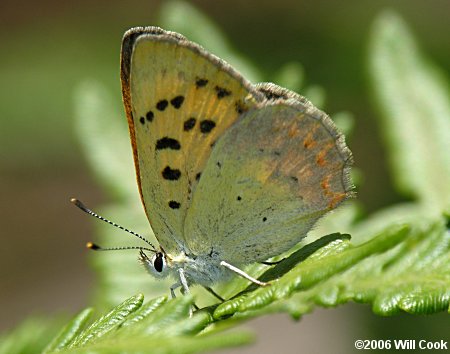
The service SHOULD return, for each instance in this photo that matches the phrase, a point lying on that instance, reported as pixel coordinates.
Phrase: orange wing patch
(309, 141)
(320, 158)
(338, 197)
(335, 197)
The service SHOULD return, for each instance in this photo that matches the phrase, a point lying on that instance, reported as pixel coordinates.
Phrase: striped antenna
(95, 247)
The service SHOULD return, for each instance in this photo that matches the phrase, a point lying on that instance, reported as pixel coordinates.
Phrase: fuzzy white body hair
(204, 270)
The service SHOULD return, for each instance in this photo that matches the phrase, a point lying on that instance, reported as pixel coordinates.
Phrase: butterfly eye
(159, 262)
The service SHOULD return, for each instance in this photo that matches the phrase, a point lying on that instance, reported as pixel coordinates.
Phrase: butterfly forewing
(179, 100)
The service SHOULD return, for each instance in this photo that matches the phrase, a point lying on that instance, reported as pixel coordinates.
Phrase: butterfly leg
(172, 289)
(183, 281)
(185, 288)
(243, 274)
(212, 292)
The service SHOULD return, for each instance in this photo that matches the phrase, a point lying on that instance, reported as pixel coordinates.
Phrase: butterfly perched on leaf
(229, 173)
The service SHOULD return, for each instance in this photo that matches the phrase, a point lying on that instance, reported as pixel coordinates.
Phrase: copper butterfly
(229, 173)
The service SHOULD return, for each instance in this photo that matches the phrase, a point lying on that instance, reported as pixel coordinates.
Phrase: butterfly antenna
(93, 246)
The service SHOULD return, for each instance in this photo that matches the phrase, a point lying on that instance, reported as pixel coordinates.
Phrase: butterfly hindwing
(269, 179)
(179, 100)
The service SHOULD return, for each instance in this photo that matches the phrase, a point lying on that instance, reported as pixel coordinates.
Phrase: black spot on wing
(149, 116)
(189, 124)
(174, 204)
(197, 176)
(207, 125)
(264, 219)
(177, 101)
(168, 143)
(239, 198)
(162, 105)
(201, 82)
(171, 174)
(240, 107)
(142, 120)
(222, 92)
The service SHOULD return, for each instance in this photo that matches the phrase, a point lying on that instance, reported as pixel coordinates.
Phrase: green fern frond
(159, 326)
(411, 94)
(402, 269)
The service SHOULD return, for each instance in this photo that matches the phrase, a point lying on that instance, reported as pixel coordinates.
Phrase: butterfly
(229, 173)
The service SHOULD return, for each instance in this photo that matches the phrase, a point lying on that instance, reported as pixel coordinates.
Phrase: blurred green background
(49, 48)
